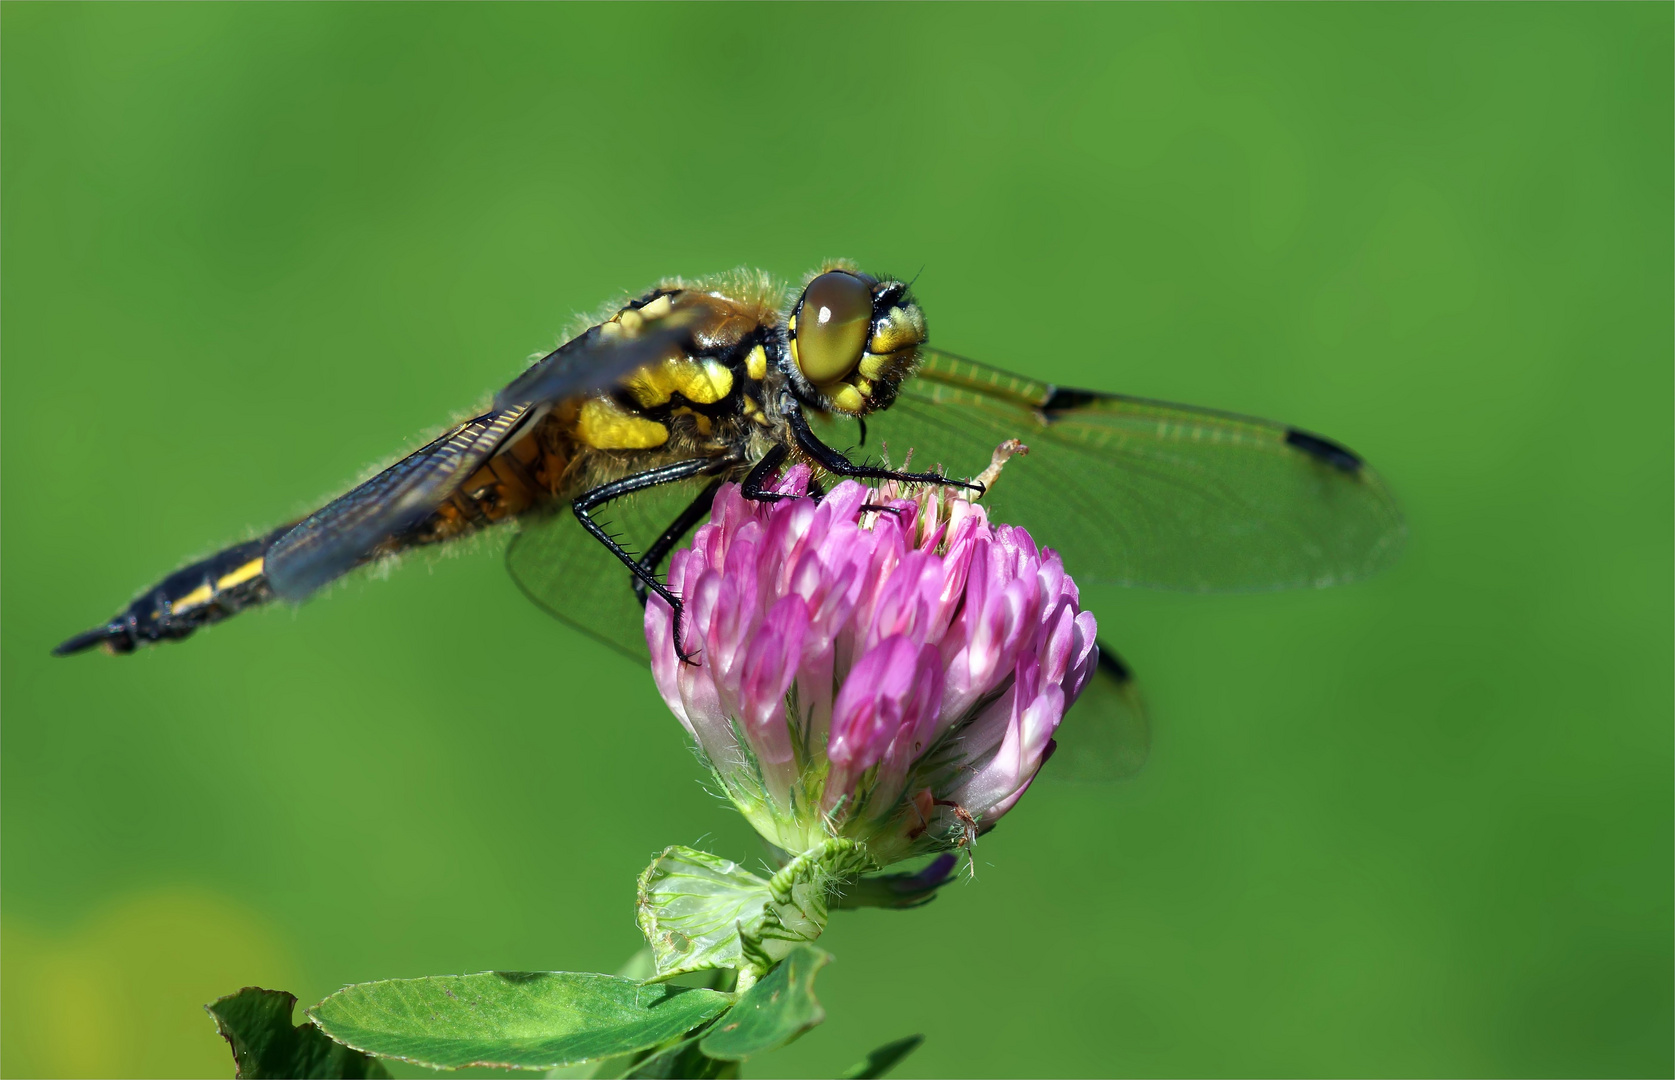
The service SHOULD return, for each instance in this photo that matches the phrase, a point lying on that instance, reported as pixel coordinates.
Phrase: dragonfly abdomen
(207, 591)
(523, 475)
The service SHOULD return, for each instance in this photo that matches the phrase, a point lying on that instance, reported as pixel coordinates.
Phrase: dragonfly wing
(1107, 734)
(572, 577)
(600, 358)
(345, 531)
(1138, 492)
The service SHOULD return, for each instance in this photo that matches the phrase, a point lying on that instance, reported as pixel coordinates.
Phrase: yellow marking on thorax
(845, 398)
(251, 569)
(658, 308)
(702, 382)
(704, 424)
(633, 320)
(756, 364)
(901, 328)
(605, 425)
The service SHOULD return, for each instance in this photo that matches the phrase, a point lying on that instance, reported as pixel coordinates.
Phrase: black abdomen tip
(84, 641)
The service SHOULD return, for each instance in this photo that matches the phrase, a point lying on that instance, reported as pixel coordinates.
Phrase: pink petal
(870, 710)
(770, 666)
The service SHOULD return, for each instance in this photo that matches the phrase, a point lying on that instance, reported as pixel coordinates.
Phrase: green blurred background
(1420, 826)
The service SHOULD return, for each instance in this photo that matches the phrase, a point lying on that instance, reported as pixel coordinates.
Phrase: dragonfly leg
(834, 462)
(660, 548)
(755, 482)
(755, 486)
(584, 504)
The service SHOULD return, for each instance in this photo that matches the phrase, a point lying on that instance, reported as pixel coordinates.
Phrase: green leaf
(780, 1007)
(883, 1059)
(512, 1019)
(683, 1060)
(257, 1024)
(639, 968)
(699, 910)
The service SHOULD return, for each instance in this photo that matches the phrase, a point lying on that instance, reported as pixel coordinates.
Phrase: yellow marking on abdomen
(251, 569)
(201, 595)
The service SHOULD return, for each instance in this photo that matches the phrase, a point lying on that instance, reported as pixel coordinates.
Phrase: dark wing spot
(1112, 664)
(1323, 450)
(1065, 398)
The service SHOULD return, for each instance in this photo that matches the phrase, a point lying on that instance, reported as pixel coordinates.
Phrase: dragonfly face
(643, 416)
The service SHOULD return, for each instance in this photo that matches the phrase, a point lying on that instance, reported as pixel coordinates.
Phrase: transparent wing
(340, 534)
(572, 577)
(1106, 735)
(598, 358)
(1138, 492)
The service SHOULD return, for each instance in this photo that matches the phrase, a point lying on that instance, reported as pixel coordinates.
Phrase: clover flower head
(892, 676)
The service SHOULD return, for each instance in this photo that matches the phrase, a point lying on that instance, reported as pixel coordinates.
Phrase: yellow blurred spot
(122, 994)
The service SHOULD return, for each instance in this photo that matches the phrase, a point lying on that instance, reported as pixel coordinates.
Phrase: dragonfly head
(851, 340)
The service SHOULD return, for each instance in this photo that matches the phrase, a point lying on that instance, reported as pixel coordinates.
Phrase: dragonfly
(605, 454)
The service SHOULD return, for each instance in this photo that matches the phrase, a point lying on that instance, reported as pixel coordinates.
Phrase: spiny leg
(660, 548)
(835, 463)
(583, 505)
(754, 486)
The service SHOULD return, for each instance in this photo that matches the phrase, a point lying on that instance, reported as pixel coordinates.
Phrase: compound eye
(833, 326)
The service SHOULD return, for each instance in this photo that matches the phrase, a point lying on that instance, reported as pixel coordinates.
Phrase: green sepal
(905, 890)
(775, 1011)
(512, 1020)
(883, 1059)
(257, 1024)
(690, 905)
(699, 910)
